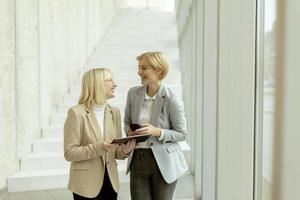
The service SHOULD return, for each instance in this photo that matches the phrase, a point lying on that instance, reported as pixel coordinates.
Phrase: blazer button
(151, 143)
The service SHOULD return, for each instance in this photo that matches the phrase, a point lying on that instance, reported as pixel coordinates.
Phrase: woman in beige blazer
(89, 127)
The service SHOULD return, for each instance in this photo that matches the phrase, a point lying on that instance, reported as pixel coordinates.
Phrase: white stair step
(47, 145)
(131, 55)
(38, 180)
(53, 132)
(58, 119)
(124, 44)
(128, 57)
(109, 43)
(64, 107)
(130, 61)
(71, 99)
(47, 179)
(48, 160)
(56, 145)
(121, 91)
(172, 53)
(132, 81)
(132, 52)
(118, 64)
(44, 161)
(58, 132)
(139, 41)
(131, 78)
(118, 100)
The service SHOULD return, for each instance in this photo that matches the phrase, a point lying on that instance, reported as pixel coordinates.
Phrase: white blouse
(145, 115)
(99, 112)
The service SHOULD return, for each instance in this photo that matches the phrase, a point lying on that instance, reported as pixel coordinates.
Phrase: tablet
(138, 138)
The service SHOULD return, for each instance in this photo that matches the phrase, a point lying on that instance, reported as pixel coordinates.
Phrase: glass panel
(268, 97)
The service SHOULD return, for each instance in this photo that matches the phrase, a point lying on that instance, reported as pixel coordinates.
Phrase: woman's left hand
(127, 148)
(148, 128)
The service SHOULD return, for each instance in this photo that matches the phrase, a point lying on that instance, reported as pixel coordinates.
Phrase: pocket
(173, 147)
(81, 165)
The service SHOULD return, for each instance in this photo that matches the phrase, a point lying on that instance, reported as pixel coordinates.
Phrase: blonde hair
(92, 87)
(157, 61)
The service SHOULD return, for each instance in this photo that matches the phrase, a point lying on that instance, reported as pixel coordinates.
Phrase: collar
(149, 98)
(107, 106)
(99, 108)
(159, 94)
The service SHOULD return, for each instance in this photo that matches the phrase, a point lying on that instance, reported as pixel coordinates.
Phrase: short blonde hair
(157, 61)
(92, 87)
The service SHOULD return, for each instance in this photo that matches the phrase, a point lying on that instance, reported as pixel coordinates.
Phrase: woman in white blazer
(156, 164)
(88, 130)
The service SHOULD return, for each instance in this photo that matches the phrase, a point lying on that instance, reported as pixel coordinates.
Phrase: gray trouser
(146, 181)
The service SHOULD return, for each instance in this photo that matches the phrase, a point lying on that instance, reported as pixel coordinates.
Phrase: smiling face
(97, 87)
(109, 86)
(147, 73)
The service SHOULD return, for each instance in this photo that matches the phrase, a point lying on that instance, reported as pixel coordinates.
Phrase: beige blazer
(83, 146)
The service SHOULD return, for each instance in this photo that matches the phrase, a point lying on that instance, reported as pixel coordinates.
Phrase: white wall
(163, 5)
(27, 74)
(236, 105)
(44, 45)
(8, 161)
(190, 29)
(287, 110)
(217, 46)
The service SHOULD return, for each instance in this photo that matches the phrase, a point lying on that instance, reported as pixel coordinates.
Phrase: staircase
(131, 33)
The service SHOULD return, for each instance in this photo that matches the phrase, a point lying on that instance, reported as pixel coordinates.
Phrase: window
(266, 67)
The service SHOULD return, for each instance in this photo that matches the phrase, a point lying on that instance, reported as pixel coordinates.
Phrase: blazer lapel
(94, 123)
(108, 124)
(158, 104)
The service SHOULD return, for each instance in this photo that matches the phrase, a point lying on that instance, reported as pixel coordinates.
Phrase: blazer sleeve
(127, 112)
(73, 151)
(178, 129)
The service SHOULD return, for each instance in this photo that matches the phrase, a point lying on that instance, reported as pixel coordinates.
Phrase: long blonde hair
(92, 87)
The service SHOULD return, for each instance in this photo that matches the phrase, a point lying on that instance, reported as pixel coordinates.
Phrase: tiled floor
(184, 191)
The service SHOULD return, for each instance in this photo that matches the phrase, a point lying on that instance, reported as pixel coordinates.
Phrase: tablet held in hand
(138, 138)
